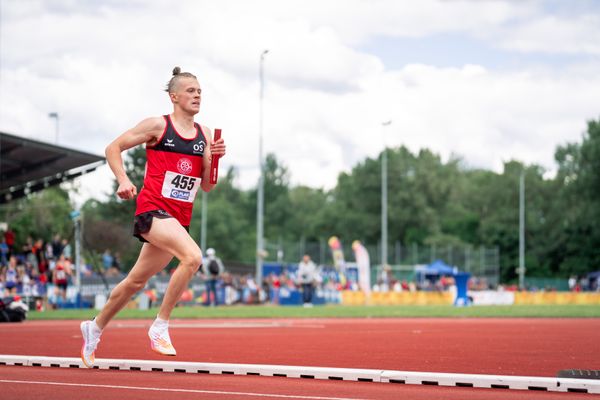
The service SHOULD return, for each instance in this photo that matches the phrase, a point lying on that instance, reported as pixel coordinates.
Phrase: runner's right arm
(147, 131)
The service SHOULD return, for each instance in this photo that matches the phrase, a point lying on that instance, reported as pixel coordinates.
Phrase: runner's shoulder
(152, 128)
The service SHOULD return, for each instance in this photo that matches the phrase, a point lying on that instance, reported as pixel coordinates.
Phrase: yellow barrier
(551, 298)
(441, 298)
(398, 298)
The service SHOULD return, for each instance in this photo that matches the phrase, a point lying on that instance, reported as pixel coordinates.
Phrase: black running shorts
(143, 222)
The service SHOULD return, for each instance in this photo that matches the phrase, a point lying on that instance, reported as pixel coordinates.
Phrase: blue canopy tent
(436, 268)
(439, 268)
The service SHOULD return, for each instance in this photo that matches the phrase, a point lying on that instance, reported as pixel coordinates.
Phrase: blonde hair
(177, 74)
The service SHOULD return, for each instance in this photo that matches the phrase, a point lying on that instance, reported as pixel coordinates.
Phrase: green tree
(40, 215)
(578, 246)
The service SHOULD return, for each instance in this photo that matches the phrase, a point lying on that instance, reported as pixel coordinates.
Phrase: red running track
(526, 347)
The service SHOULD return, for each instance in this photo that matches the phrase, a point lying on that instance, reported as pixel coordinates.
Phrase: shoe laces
(92, 340)
(160, 332)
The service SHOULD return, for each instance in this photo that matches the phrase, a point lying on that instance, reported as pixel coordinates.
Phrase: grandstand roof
(27, 165)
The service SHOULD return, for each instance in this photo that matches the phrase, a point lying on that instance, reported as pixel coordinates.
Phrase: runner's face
(188, 94)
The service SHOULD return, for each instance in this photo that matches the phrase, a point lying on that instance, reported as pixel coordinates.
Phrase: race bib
(180, 187)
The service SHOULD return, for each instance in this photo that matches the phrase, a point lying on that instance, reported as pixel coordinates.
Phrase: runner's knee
(193, 260)
(135, 286)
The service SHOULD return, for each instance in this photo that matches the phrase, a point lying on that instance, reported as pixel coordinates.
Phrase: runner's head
(184, 91)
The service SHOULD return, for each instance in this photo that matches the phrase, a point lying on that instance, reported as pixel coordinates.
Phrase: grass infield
(339, 311)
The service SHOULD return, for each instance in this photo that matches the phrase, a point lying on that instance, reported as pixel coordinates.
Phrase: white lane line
(223, 393)
(326, 373)
(224, 325)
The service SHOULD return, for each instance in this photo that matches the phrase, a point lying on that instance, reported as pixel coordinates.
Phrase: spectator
(213, 270)
(385, 278)
(231, 291)
(62, 271)
(115, 268)
(49, 252)
(306, 276)
(11, 277)
(9, 237)
(107, 260)
(66, 249)
(23, 279)
(117, 261)
(249, 290)
(38, 253)
(4, 251)
(28, 252)
(56, 246)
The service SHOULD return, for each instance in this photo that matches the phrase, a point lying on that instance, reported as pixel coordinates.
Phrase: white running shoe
(91, 338)
(160, 341)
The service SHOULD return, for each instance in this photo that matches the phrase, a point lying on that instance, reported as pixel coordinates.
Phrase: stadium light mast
(384, 199)
(55, 116)
(522, 231)
(260, 207)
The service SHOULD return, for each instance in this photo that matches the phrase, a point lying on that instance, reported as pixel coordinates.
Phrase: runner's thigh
(151, 261)
(168, 235)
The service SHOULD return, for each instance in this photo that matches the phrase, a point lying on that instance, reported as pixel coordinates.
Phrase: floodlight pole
(384, 199)
(522, 231)
(77, 218)
(55, 116)
(261, 181)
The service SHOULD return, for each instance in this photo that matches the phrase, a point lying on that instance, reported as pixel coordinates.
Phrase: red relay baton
(214, 164)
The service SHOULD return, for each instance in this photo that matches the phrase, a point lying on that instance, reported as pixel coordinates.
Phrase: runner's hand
(217, 148)
(126, 190)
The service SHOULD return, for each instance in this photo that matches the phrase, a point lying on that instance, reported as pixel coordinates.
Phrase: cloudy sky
(488, 81)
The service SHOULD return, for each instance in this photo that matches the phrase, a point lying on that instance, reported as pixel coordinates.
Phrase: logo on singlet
(184, 166)
(170, 143)
(198, 147)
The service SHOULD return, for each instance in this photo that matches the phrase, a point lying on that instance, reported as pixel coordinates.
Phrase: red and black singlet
(173, 171)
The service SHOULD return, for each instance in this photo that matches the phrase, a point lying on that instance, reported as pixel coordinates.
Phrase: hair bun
(176, 71)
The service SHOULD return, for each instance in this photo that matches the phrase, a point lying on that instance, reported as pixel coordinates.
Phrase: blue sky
(457, 49)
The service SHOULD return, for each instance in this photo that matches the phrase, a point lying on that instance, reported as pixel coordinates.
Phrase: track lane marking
(221, 325)
(218, 392)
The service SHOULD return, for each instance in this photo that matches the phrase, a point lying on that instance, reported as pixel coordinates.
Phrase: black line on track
(495, 386)
(463, 384)
(540, 388)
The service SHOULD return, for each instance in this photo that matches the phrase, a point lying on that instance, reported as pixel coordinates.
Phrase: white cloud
(551, 34)
(102, 66)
